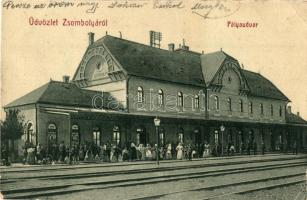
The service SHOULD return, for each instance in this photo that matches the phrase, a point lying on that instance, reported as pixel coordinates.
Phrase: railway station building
(121, 86)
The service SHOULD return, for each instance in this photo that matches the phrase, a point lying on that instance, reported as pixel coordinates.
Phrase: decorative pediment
(97, 64)
(230, 76)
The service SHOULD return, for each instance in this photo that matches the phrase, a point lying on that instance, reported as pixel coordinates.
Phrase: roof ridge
(251, 72)
(31, 92)
(146, 45)
(48, 85)
(271, 83)
(227, 55)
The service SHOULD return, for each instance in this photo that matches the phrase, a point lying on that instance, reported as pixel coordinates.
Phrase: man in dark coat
(133, 152)
(108, 151)
(255, 148)
(5, 155)
(262, 147)
(249, 144)
(294, 148)
(241, 148)
(62, 152)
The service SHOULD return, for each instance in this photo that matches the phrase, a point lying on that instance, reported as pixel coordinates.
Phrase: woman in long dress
(125, 154)
(102, 152)
(154, 152)
(206, 150)
(114, 155)
(143, 152)
(179, 149)
(148, 152)
(31, 157)
(169, 152)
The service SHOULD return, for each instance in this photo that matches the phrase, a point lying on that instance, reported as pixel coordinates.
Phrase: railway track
(70, 188)
(238, 191)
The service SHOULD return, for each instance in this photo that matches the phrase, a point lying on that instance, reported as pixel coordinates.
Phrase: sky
(276, 48)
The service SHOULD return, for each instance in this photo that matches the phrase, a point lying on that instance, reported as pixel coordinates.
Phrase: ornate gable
(98, 66)
(229, 77)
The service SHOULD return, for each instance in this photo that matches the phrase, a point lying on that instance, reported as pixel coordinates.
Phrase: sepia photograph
(153, 99)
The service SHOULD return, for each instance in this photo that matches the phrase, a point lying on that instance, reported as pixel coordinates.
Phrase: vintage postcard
(153, 99)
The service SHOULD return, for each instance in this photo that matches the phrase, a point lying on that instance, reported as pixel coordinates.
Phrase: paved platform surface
(13, 166)
(196, 179)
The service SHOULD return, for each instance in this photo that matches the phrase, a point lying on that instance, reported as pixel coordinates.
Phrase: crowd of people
(110, 152)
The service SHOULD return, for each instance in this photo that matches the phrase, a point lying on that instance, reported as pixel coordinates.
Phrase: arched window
(241, 105)
(217, 103)
(75, 135)
(116, 135)
(52, 134)
(216, 136)
(140, 95)
(180, 99)
(96, 136)
(180, 135)
(250, 107)
(229, 104)
(280, 111)
(272, 110)
(29, 133)
(261, 108)
(196, 101)
(161, 97)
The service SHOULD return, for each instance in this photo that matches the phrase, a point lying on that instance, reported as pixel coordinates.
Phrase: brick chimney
(298, 113)
(184, 47)
(91, 37)
(66, 79)
(289, 109)
(171, 46)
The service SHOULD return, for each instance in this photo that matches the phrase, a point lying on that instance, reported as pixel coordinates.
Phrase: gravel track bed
(131, 192)
(294, 192)
(22, 184)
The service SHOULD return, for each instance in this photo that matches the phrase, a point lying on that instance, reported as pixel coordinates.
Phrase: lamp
(222, 128)
(157, 122)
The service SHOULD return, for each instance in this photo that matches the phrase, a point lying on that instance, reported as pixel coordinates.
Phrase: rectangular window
(180, 137)
(29, 136)
(251, 107)
(261, 109)
(96, 137)
(216, 137)
(217, 103)
(116, 137)
(161, 139)
(241, 106)
(196, 102)
(138, 138)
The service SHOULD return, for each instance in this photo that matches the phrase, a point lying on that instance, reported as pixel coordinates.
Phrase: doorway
(141, 136)
(52, 135)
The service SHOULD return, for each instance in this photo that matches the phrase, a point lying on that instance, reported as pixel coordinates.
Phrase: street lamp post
(157, 124)
(222, 131)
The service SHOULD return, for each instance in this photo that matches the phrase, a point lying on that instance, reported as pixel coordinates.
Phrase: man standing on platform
(262, 147)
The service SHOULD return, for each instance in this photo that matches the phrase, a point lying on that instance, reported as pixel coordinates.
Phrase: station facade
(120, 86)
